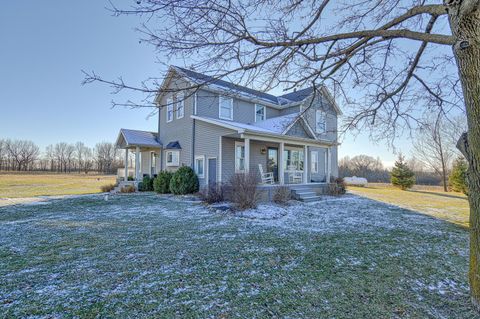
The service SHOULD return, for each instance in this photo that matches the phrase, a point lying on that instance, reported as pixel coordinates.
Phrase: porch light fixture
(263, 151)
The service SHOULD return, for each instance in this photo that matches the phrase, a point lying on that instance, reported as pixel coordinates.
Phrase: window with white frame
(293, 160)
(180, 105)
(169, 110)
(225, 108)
(321, 122)
(153, 163)
(200, 166)
(259, 113)
(314, 161)
(239, 157)
(173, 158)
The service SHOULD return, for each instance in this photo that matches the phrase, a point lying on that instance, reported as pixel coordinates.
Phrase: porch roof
(276, 127)
(131, 138)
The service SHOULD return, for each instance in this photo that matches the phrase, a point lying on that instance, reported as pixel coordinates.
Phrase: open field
(452, 207)
(30, 185)
(144, 256)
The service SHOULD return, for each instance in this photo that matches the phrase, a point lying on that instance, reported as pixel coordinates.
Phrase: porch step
(305, 193)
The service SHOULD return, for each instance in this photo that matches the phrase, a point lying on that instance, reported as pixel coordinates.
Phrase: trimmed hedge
(146, 185)
(184, 181)
(161, 184)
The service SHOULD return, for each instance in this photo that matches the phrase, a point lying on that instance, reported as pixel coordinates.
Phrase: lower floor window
(314, 159)
(293, 160)
(239, 157)
(200, 166)
(173, 158)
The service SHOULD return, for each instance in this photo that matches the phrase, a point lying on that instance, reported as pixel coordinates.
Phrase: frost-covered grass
(148, 256)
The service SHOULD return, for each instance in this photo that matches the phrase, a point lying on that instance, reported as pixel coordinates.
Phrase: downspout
(194, 111)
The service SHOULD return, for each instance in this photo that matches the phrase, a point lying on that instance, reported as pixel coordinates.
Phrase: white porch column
(247, 155)
(137, 164)
(126, 164)
(329, 164)
(219, 159)
(281, 169)
(305, 164)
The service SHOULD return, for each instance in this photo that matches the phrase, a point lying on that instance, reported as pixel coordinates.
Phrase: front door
(272, 162)
(212, 171)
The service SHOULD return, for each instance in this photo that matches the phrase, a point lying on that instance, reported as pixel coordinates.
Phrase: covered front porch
(147, 154)
(276, 161)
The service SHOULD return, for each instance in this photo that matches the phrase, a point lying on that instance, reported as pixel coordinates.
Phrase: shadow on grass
(439, 194)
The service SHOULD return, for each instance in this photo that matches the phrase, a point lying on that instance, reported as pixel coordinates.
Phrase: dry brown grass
(429, 200)
(31, 185)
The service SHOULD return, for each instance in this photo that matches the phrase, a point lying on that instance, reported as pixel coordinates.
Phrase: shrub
(130, 178)
(127, 189)
(402, 176)
(146, 184)
(244, 191)
(211, 194)
(107, 188)
(338, 187)
(281, 195)
(184, 181)
(458, 177)
(161, 184)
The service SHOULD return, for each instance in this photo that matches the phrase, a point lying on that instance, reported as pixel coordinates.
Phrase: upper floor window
(321, 122)
(225, 108)
(259, 112)
(173, 158)
(180, 105)
(169, 110)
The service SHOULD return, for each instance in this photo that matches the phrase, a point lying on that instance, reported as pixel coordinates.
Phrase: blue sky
(45, 45)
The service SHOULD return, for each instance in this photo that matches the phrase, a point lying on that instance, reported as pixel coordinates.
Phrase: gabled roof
(127, 138)
(280, 102)
(200, 78)
(173, 146)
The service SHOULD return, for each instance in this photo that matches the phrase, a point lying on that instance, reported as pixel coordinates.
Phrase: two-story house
(220, 129)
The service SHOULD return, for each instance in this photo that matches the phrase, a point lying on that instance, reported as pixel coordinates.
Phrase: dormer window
(321, 122)
(225, 108)
(259, 113)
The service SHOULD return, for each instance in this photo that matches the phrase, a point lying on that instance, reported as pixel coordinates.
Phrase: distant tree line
(374, 171)
(24, 155)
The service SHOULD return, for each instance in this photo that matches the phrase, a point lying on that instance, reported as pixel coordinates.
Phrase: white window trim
(173, 163)
(170, 107)
(290, 148)
(324, 114)
(220, 108)
(180, 101)
(237, 170)
(264, 112)
(314, 164)
(195, 102)
(200, 157)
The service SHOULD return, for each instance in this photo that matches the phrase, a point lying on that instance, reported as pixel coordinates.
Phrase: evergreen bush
(402, 176)
(161, 184)
(458, 177)
(184, 181)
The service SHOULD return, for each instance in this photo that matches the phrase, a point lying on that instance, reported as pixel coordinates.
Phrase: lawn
(30, 185)
(451, 206)
(143, 256)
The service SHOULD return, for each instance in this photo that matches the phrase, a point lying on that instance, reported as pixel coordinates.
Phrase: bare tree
(409, 59)
(2, 153)
(23, 154)
(434, 148)
(105, 154)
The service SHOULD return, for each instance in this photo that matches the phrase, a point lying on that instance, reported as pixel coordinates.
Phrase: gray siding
(290, 110)
(207, 139)
(243, 111)
(310, 113)
(179, 129)
(298, 130)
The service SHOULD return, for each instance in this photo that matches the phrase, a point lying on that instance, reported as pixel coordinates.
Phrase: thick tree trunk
(465, 25)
